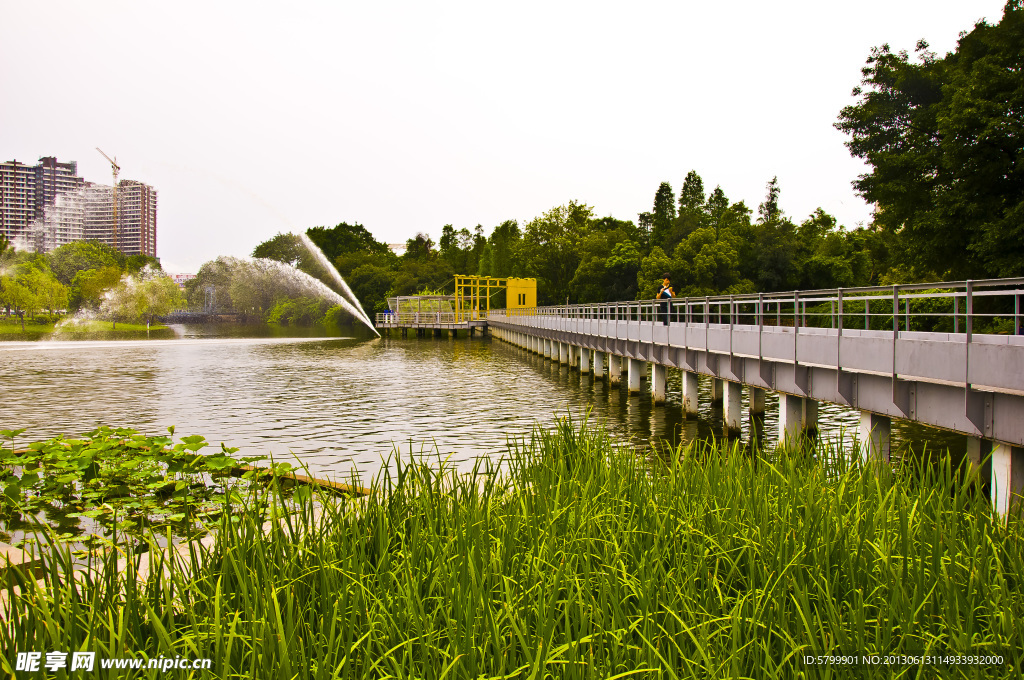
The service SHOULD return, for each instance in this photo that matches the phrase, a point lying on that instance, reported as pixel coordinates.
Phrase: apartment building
(47, 205)
(17, 198)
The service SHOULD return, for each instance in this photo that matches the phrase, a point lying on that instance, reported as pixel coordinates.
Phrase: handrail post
(969, 324)
(1016, 313)
(760, 326)
(731, 311)
(895, 332)
(839, 329)
(707, 320)
(796, 324)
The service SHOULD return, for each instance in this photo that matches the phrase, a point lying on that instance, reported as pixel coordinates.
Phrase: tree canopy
(944, 138)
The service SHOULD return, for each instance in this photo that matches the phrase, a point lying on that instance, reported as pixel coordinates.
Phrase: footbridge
(948, 355)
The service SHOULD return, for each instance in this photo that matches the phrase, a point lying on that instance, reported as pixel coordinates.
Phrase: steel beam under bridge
(828, 346)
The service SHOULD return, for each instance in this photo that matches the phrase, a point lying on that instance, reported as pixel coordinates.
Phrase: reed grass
(578, 561)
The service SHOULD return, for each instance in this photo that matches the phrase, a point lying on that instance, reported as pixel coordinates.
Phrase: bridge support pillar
(614, 370)
(791, 416)
(733, 415)
(658, 383)
(574, 351)
(873, 434)
(810, 416)
(690, 400)
(535, 345)
(1007, 476)
(978, 450)
(563, 352)
(584, 360)
(756, 400)
(598, 364)
(636, 367)
(717, 391)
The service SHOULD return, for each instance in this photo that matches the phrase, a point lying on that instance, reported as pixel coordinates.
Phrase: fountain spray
(326, 264)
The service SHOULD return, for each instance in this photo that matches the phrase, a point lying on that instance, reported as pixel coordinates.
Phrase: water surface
(341, 405)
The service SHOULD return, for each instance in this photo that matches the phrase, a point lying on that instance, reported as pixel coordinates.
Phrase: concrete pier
(810, 416)
(873, 434)
(636, 367)
(598, 364)
(791, 418)
(614, 370)
(733, 416)
(1007, 477)
(757, 400)
(690, 400)
(658, 383)
(584, 360)
(717, 391)
(563, 352)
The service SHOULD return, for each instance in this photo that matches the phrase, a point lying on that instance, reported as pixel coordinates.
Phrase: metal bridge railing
(966, 307)
(420, 318)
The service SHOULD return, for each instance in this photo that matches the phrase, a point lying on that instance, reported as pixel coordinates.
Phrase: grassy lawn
(10, 329)
(582, 561)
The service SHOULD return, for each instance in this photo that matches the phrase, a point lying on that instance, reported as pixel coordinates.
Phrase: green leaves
(944, 139)
(117, 477)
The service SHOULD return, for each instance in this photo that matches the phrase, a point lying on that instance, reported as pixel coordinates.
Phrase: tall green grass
(578, 561)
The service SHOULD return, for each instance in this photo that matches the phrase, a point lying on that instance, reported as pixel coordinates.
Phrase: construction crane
(116, 169)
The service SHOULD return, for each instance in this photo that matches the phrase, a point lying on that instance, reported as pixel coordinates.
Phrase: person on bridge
(665, 294)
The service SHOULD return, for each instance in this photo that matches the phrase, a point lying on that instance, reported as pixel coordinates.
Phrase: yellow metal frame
(473, 295)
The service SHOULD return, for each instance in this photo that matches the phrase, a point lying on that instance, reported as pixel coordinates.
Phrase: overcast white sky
(252, 118)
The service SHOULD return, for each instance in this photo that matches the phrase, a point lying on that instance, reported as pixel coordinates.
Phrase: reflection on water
(340, 404)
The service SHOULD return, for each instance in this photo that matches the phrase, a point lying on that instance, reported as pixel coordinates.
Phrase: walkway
(926, 363)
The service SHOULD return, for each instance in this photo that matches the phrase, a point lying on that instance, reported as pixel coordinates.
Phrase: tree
(504, 242)
(776, 245)
(49, 293)
(287, 248)
(707, 263)
(17, 297)
(663, 215)
(345, 238)
(448, 246)
(143, 296)
(550, 249)
(419, 248)
(88, 286)
(649, 278)
(691, 196)
(945, 140)
(71, 258)
(609, 261)
(769, 210)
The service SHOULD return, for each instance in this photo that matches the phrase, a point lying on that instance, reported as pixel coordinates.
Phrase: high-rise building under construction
(44, 206)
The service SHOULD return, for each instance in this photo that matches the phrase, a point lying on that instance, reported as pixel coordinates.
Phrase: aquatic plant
(114, 480)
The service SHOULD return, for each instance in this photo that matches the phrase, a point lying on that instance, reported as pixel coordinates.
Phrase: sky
(253, 118)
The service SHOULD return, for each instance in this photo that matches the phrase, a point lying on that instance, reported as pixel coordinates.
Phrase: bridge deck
(802, 344)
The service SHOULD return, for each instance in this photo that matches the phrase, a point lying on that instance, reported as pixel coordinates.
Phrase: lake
(342, 405)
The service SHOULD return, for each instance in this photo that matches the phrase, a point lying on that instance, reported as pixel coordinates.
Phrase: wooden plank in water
(303, 479)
